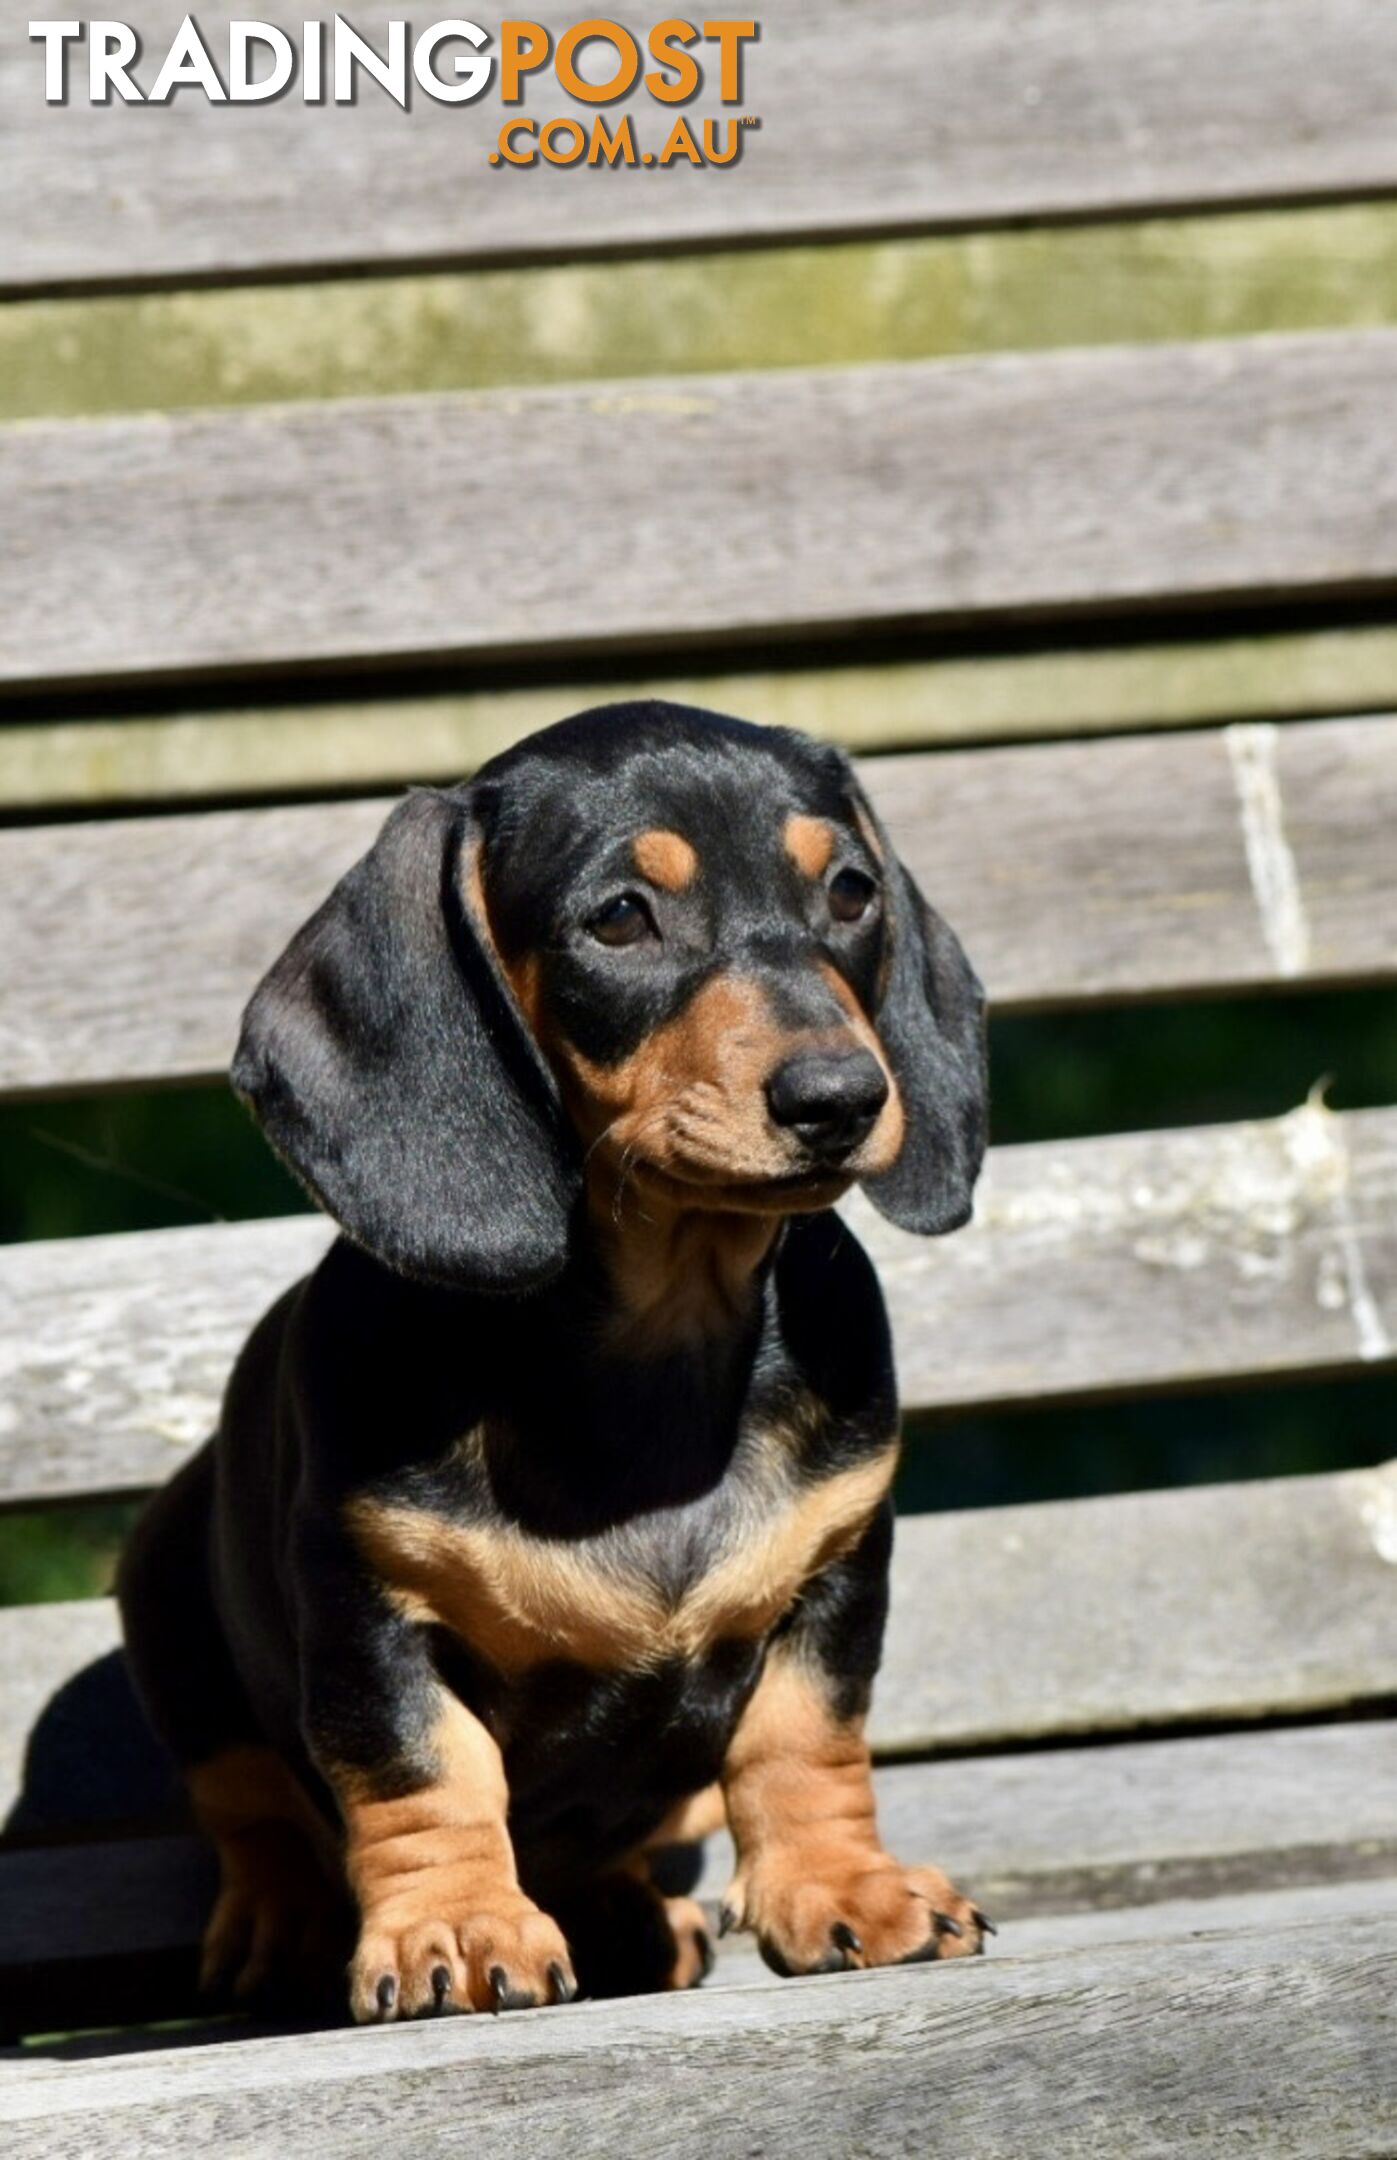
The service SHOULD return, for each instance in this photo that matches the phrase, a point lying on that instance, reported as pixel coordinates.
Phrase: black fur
(387, 1060)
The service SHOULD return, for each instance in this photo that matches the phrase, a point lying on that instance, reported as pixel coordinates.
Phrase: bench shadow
(92, 1762)
(106, 1886)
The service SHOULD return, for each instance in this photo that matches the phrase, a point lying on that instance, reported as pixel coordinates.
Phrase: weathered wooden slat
(1075, 1829)
(1198, 1834)
(896, 705)
(1208, 1605)
(1145, 1609)
(156, 1977)
(1281, 2039)
(415, 530)
(1052, 1832)
(1123, 867)
(1059, 109)
(1101, 1266)
(1118, 282)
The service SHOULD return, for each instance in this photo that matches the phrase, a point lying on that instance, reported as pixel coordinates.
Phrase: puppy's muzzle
(828, 1100)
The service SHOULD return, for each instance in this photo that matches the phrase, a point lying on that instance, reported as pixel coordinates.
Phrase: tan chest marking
(517, 1599)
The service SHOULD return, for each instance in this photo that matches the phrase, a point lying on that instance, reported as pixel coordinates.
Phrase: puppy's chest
(661, 1585)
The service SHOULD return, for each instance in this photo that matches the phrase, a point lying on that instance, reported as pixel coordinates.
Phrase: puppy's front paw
(814, 1917)
(429, 1953)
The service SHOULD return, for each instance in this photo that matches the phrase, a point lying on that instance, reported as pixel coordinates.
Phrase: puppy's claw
(441, 1985)
(499, 1987)
(560, 1988)
(945, 1925)
(844, 1938)
(727, 1920)
(386, 1994)
(983, 1921)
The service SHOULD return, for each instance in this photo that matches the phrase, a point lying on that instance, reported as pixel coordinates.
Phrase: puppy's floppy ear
(931, 1023)
(386, 1060)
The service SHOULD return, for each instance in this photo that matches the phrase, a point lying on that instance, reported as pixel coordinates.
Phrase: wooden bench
(327, 470)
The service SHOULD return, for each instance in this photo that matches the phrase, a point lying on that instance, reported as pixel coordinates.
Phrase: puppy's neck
(677, 1277)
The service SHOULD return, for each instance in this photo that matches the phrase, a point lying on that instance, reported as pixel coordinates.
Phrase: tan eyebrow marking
(809, 843)
(665, 858)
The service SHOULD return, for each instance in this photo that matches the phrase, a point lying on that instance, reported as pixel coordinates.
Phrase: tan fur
(666, 859)
(809, 841)
(688, 1923)
(434, 1876)
(696, 1817)
(683, 1163)
(517, 1599)
(691, 1095)
(281, 1900)
(679, 1274)
(799, 1792)
(884, 1144)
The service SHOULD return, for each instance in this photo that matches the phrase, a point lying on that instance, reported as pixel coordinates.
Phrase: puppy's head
(665, 946)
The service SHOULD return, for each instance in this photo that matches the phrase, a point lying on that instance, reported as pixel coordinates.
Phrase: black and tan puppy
(560, 1492)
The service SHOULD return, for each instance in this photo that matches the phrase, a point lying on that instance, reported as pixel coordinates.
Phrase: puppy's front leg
(813, 1880)
(420, 1784)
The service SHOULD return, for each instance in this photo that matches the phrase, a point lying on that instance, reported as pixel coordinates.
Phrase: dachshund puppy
(558, 1496)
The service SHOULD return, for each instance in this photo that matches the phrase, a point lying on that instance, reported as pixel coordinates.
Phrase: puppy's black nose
(830, 1099)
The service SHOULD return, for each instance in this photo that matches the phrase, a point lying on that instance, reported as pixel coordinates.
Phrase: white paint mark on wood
(1251, 751)
(1318, 1141)
(1370, 1329)
(1378, 1509)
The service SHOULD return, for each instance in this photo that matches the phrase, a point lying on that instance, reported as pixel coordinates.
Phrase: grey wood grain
(1144, 1610)
(432, 529)
(1321, 1906)
(1316, 1905)
(1058, 108)
(1093, 1266)
(1200, 1605)
(1281, 2039)
(1068, 1829)
(1065, 1847)
(1051, 1833)
(1125, 867)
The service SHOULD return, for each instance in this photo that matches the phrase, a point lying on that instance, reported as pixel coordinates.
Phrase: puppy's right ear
(386, 1060)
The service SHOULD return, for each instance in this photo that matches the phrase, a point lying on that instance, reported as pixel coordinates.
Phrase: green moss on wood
(370, 743)
(1147, 279)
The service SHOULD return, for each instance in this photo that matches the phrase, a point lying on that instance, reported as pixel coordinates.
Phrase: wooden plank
(1081, 1829)
(132, 945)
(426, 530)
(1093, 1267)
(1102, 1266)
(267, 750)
(1142, 1261)
(1144, 1609)
(1282, 2039)
(1059, 109)
(841, 305)
(1202, 1833)
(1052, 1832)
(1323, 1907)
(1091, 1616)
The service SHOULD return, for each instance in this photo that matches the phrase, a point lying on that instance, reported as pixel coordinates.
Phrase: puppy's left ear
(931, 1023)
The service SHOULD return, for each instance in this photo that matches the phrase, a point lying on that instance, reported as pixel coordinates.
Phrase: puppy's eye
(851, 895)
(622, 921)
